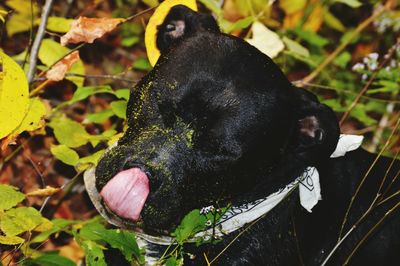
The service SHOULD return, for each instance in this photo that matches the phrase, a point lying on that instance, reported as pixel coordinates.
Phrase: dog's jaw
(126, 193)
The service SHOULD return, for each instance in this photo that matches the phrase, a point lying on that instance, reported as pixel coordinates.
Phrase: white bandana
(238, 216)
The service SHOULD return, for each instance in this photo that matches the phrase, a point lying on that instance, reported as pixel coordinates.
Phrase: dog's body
(217, 122)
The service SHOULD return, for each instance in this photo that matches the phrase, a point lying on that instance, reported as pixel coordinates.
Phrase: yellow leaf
(157, 19)
(23, 6)
(292, 20)
(292, 6)
(11, 240)
(72, 251)
(34, 117)
(46, 225)
(20, 20)
(44, 192)
(315, 19)
(14, 102)
(265, 40)
(58, 24)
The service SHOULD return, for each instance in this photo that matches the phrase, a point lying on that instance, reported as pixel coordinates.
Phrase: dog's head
(212, 121)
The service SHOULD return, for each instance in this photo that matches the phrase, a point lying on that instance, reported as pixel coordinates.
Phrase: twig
(337, 245)
(38, 40)
(365, 177)
(67, 54)
(370, 232)
(67, 187)
(140, 13)
(36, 168)
(30, 37)
(206, 259)
(387, 58)
(113, 77)
(39, 88)
(343, 45)
(324, 87)
(381, 126)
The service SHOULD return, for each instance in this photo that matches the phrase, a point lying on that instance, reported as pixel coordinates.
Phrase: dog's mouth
(126, 193)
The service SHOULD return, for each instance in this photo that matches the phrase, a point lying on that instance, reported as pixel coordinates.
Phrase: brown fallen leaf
(44, 192)
(88, 29)
(58, 71)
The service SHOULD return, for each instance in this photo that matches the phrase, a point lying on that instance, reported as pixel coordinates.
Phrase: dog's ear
(180, 22)
(318, 129)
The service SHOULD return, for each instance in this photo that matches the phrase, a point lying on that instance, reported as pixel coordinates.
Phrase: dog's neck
(285, 172)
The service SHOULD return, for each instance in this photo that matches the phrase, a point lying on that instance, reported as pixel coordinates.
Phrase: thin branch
(30, 37)
(67, 54)
(38, 40)
(36, 168)
(365, 177)
(337, 245)
(343, 45)
(324, 87)
(113, 77)
(140, 13)
(370, 232)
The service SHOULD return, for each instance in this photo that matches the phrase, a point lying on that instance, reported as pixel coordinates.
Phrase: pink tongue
(126, 193)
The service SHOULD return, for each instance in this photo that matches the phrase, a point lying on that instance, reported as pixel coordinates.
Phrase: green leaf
(172, 261)
(142, 64)
(19, 220)
(98, 117)
(58, 225)
(343, 59)
(65, 154)
(380, 90)
(51, 51)
(350, 3)
(123, 240)
(334, 104)
(50, 260)
(68, 132)
(212, 5)
(119, 108)
(311, 37)
(239, 24)
(59, 24)
(9, 197)
(92, 230)
(90, 160)
(123, 94)
(295, 47)
(192, 223)
(82, 93)
(94, 253)
(130, 41)
(361, 115)
(11, 240)
(333, 21)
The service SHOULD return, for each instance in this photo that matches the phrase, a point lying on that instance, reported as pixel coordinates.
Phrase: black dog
(217, 122)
